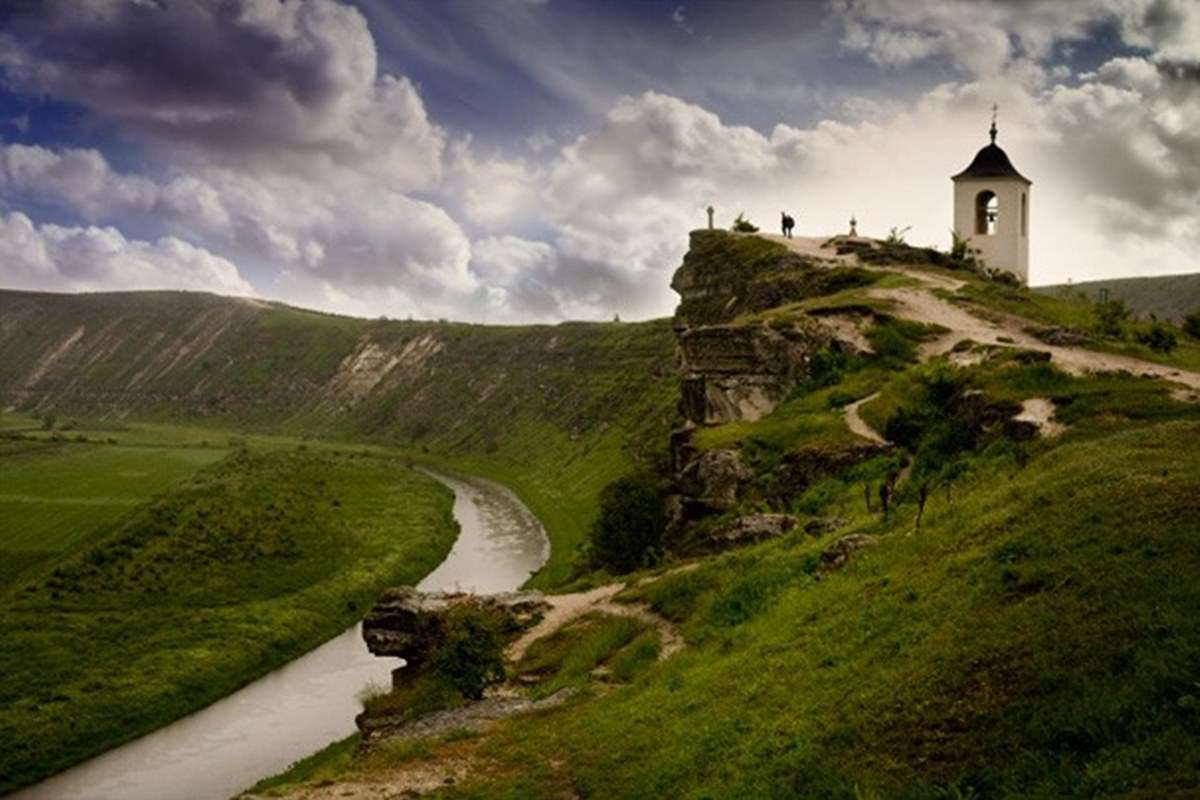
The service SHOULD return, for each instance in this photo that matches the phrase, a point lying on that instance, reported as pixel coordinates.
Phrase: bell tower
(991, 209)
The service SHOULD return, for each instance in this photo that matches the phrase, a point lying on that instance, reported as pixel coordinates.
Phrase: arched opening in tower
(987, 212)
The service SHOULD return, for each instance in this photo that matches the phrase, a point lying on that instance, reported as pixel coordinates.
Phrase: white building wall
(1008, 248)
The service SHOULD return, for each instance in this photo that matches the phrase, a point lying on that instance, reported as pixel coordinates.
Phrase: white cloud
(626, 194)
(274, 141)
(985, 38)
(58, 258)
(255, 84)
(78, 177)
(492, 190)
(365, 238)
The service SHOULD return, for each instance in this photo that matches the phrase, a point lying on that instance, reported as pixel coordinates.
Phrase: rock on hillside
(407, 623)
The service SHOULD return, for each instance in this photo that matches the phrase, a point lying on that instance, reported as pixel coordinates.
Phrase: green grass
(55, 497)
(568, 656)
(1092, 403)
(804, 420)
(855, 300)
(248, 564)
(553, 411)
(558, 477)
(1037, 640)
(636, 657)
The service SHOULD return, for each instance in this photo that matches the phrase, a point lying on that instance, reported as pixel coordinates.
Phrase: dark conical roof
(991, 162)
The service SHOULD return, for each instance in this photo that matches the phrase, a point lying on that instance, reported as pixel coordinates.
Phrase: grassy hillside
(553, 411)
(1169, 297)
(1036, 639)
(1018, 623)
(154, 609)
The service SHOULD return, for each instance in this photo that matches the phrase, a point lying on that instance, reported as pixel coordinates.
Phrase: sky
(515, 161)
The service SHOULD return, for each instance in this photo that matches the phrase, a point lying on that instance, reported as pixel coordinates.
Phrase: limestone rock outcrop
(750, 529)
(802, 468)
(736, 366)
(733, 372)
(713, 481)
(407, 623)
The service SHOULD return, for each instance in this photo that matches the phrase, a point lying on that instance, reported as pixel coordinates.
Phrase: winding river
(299, 708)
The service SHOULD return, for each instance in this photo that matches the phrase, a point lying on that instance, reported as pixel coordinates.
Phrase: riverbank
(311, 701)
(220, 580)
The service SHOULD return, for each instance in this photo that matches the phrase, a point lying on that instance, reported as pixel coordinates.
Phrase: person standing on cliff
(788, 224)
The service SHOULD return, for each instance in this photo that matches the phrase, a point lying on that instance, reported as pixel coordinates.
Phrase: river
(304, 705)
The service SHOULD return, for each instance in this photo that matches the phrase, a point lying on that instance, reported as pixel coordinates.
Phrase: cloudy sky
(537, 160)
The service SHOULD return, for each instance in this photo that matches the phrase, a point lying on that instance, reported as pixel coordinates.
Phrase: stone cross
(710, 218)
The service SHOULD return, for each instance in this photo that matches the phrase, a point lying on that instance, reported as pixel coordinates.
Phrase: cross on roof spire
(994, 131)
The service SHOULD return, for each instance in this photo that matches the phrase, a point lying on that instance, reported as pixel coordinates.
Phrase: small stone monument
(710, 218)
(853, 226)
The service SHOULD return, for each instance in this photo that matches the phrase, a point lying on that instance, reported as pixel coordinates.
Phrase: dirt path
(414, 779)
(811, 247)
(857, 424)
(459, 761)
(922, 306)
(1040, 412)
(566, 607)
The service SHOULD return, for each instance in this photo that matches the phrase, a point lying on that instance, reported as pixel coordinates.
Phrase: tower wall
(1008, 248)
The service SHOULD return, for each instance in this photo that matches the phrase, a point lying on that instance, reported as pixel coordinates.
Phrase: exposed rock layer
(407, 623)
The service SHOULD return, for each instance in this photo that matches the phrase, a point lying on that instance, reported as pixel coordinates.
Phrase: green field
(171, 591)
(55, 497)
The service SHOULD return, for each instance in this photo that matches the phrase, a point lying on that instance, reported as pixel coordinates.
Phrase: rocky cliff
(738, 361)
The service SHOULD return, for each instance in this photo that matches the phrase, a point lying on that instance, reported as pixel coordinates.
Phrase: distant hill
(1166, 296)
(193, 355)
(583, 401)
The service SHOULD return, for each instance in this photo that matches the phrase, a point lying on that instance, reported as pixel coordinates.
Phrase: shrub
(743, 225)
(1110, 317)
(1159, 338)
(826, 367)
(962, 255)
(1191, 324)
(471, 655)
(896, 235)
(628, 532)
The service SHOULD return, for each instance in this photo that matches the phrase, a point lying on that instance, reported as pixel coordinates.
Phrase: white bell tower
(991, 209)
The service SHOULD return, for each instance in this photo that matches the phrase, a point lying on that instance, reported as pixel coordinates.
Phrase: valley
(920, 532)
